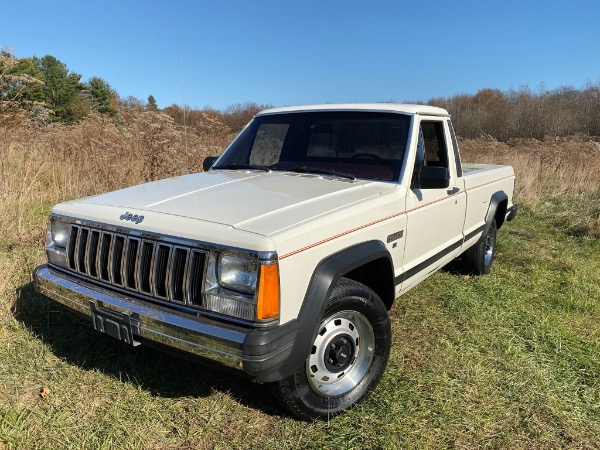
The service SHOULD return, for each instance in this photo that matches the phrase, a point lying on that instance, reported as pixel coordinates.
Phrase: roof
(376, 107)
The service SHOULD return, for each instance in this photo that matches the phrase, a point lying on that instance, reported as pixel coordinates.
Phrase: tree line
(46, 90)
(525, 113)
(504, 115)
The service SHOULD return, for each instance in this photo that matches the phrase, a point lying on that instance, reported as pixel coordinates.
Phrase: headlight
(60, 233)
(242, 286)
(237, 272)
(57, 239)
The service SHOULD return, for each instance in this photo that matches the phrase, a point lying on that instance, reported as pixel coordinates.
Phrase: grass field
(509, 360)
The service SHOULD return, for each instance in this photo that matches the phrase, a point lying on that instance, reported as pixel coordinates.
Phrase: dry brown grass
(59, 162)
(549, 173)
(549, 167)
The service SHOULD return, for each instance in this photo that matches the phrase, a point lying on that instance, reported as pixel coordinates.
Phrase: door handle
(453, 191)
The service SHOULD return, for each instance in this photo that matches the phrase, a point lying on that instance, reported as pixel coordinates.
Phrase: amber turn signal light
(268, 292)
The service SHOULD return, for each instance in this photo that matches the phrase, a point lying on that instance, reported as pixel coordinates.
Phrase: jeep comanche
(282, 259)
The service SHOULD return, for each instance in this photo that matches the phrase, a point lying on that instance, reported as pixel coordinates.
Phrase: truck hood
(258, 202)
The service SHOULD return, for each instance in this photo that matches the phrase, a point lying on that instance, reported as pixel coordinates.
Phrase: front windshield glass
(358, 144)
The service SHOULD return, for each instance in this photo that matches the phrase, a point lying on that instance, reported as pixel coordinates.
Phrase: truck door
(435, 217)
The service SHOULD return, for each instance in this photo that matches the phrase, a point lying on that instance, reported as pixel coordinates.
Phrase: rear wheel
(480, 257)
(347, 359)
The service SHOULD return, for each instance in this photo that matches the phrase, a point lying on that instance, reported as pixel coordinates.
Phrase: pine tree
(20, 91)
(152, 103)
(102, 95)
(61, 87)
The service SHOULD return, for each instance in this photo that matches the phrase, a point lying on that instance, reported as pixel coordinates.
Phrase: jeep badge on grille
(132, 217)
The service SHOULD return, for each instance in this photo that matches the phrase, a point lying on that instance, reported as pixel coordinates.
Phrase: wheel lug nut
(330, 361)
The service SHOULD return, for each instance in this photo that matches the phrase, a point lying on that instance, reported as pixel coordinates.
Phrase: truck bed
(470, 168)
(476, 175)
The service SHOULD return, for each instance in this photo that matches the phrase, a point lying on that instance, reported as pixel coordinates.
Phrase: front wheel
(347, 359)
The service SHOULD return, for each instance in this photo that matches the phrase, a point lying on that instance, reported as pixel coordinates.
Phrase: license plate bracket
(113, 323)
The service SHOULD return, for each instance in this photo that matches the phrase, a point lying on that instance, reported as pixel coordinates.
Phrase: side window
(436, 153)
(431, 148)
(456, 151)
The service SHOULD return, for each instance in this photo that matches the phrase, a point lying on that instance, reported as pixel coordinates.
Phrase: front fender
(324, 278)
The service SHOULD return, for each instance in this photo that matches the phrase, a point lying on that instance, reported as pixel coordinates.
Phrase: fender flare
(324, 278)
(493, 208)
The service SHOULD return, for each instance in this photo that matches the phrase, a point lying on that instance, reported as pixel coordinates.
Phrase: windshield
(349, 144)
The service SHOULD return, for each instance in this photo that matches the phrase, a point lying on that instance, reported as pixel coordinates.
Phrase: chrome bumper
(200, 337)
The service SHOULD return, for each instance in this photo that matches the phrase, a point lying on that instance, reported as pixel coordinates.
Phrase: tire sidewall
(348, 295)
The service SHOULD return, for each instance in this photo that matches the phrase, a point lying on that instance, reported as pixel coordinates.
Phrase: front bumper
(261, 354)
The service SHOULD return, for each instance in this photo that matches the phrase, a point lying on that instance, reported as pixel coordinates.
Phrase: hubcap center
(339, 353)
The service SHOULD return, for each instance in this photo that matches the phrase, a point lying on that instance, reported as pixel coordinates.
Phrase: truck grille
(152, 268)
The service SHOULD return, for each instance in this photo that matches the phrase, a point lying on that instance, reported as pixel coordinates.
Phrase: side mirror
(431, 177)
(208, 162)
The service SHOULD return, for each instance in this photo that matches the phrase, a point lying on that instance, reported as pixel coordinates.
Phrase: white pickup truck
(283, 258)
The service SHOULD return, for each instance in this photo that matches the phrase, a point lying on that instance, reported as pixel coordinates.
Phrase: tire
(348, 356)
(479, 258)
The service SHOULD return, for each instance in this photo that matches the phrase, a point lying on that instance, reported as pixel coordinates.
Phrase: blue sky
(291, 53)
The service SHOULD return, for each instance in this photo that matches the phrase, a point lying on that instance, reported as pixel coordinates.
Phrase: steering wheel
(366, 155)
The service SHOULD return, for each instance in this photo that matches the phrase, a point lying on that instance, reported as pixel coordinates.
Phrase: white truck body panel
(257, 202)
(370, 107)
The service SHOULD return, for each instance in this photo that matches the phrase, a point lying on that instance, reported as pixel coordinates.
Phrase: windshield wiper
(236, 166)
(308, 169)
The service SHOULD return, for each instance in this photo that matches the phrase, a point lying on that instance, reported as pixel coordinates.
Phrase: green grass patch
(509, 360)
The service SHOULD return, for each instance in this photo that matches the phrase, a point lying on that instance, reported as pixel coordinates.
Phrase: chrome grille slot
(92, 254)
(195, 276)
(144, 267)
(161, 266)
(131, 254)
(116, 260)
(72, 245)
(104, 256)
(155, 269)
(179, 261)
(80, 249)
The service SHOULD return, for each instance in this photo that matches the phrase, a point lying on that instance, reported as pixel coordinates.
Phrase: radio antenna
(184, 112)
